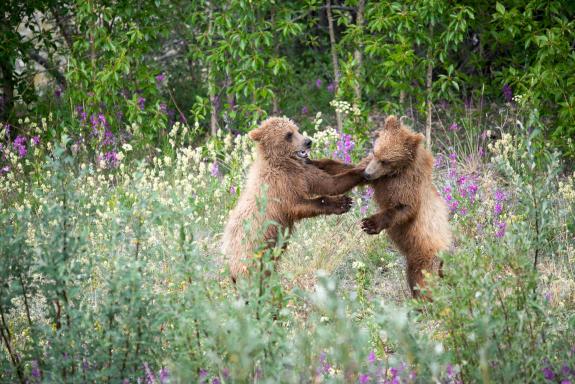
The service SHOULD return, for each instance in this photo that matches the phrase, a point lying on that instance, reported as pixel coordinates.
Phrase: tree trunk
(211, 82)
(335, 63)
(49, 66)
(428, 87)
(7, 98)
(358, 53)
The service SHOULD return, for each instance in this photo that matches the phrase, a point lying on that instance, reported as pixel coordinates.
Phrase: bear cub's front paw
(341, 204)
(369, 226)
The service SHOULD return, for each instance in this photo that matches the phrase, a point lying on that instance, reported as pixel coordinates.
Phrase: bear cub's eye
(289, 136)
(383, 162)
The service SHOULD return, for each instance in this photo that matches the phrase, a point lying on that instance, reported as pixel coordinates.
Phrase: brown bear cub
(410, 209)
(293, 190)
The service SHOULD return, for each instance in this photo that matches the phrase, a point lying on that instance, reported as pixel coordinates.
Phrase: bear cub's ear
(256, 134)
(415, 139)
(391, 123)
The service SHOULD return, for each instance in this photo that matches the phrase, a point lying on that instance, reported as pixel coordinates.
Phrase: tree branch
(50, 67)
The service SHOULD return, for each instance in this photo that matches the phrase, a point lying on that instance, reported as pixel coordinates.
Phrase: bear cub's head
(395, 148)
(279, 137)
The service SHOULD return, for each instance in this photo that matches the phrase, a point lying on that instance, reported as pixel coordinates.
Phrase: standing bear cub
(410, 209)
(294, 189)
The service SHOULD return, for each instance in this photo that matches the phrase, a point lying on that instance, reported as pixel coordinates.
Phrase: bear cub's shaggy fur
(294, 189)
(410, 210)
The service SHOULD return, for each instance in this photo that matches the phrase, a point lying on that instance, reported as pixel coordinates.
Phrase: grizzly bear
(293, 189)
(410, 210)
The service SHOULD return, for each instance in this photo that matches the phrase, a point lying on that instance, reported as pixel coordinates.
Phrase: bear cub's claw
(369, 226)
(342, 204)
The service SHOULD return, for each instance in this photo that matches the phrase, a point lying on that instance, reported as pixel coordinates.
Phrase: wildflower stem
(334, 59)
(5, 331)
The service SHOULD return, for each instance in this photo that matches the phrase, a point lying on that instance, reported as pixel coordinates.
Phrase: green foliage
(229, 64)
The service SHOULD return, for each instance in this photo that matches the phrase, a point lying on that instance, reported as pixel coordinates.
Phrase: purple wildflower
(331, 87)
(216, 381)
(371, 358)
(108, 138)
(366, 196)
(481, 152)
(233, 190)
(500, 225)
(472, 189)
(344, 147)
(453, 205)
(203, 373)
(214, 169)
(304, 110)
(453, 156)
(102, 119)
(35, 369)
(58, 92)
(226, 373)
(111, 159)
(497, 209)
(163, 108)
(467, 102)
(36, 140)
(325, 366)
(20, 145)
(160, 78)
(565, 369)
(164, 375)
(449, 371)
(507, 93)
(454, 127)
(438, 163)
(318, 83)
(5, 169)
(150, 378)
(141, 102)
(548, 373)
(565, 381)
(364, 378)
(94, 123)
(499, 195)
(548, 296)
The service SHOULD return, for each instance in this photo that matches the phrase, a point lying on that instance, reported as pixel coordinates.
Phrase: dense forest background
(225, 64)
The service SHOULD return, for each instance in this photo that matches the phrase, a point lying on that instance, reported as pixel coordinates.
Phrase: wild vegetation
(123, 149)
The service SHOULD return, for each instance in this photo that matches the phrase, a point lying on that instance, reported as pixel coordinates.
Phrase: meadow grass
(112, 272)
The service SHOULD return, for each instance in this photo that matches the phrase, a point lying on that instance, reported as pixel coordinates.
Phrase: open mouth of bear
(303, 154)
